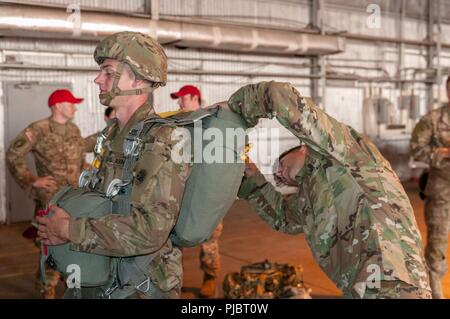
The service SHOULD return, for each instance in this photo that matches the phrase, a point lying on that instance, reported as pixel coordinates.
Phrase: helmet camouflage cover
(142, 53)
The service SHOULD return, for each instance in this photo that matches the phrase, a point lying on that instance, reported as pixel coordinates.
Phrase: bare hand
(46, 182)
(54, 230)
(251, 169)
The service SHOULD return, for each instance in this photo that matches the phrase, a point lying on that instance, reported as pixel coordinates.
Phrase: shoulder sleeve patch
(20, 142)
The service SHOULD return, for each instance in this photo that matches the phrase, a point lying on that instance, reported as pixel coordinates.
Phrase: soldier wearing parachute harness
(131, 66)
(350, 204)
(120, 225)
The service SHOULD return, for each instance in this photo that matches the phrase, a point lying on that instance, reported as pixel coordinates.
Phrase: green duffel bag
(211, 188)
(95, 269)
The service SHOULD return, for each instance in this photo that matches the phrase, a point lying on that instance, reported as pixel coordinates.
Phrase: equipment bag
(80, 202)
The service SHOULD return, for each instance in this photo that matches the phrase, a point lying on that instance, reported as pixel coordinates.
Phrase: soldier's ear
(196, 98)
(139, 83)
(56, 107)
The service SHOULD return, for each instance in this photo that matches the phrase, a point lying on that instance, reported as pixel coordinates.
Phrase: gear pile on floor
(266, 280)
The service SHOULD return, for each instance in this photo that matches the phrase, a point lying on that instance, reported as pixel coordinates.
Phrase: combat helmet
(144, 55)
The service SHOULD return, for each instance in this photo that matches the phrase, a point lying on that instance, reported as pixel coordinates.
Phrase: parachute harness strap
(116, 91)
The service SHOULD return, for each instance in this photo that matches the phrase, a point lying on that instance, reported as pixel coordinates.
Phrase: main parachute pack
(210, 191)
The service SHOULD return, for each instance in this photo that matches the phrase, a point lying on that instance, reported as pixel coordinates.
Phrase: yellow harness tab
(168, 114)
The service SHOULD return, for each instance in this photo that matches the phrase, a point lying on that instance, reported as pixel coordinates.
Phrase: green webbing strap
(131, 150)
(116, 91)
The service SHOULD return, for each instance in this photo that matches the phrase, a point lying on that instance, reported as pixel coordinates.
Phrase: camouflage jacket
(90, 141)
(58, 150)
(431, 132)
(156, 195)
(350, 204)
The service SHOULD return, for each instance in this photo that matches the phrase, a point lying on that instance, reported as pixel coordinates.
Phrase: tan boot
(436, 288)
(208, 289)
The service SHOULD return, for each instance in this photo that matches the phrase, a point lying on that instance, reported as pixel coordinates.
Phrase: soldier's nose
(97, 80)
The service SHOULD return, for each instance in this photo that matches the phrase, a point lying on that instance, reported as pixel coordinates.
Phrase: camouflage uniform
(90, 141)
(58, 151)
(350, 204)
(433, 131)
(157, 184)
(209, 253)
(155, 199)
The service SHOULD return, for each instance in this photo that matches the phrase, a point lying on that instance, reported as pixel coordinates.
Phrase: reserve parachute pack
(80, 202)
(266, 280)
(210, 191)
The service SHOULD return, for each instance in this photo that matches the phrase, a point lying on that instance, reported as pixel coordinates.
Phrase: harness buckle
(131, 147)
(114, 187)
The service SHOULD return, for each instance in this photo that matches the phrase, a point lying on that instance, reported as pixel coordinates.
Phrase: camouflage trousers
(209, 253)
(393, 290)
(128, 292)
(437, 218)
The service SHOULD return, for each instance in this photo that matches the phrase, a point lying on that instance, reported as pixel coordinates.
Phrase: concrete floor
(245, 239)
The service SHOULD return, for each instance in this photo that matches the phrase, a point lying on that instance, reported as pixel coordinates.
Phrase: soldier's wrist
(77, 230)
(258, 179)
(250, 184)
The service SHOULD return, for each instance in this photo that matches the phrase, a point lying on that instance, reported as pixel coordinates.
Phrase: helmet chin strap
(107, 97)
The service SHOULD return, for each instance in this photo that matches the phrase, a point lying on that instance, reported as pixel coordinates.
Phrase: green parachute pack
(210, 191)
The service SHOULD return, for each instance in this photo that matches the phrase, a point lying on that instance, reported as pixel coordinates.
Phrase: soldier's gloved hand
(54, 230)
(46, 182)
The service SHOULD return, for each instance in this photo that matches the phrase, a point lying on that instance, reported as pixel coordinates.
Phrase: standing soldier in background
(430, 143)
(189, 99)
(59, 155)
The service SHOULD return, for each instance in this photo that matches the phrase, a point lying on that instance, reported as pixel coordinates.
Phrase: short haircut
(289, 151)
(279, 181)
(200, 100)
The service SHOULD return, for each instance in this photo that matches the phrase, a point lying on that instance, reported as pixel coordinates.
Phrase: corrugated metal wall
(343, 98)
(291, 14)
(131, 6)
